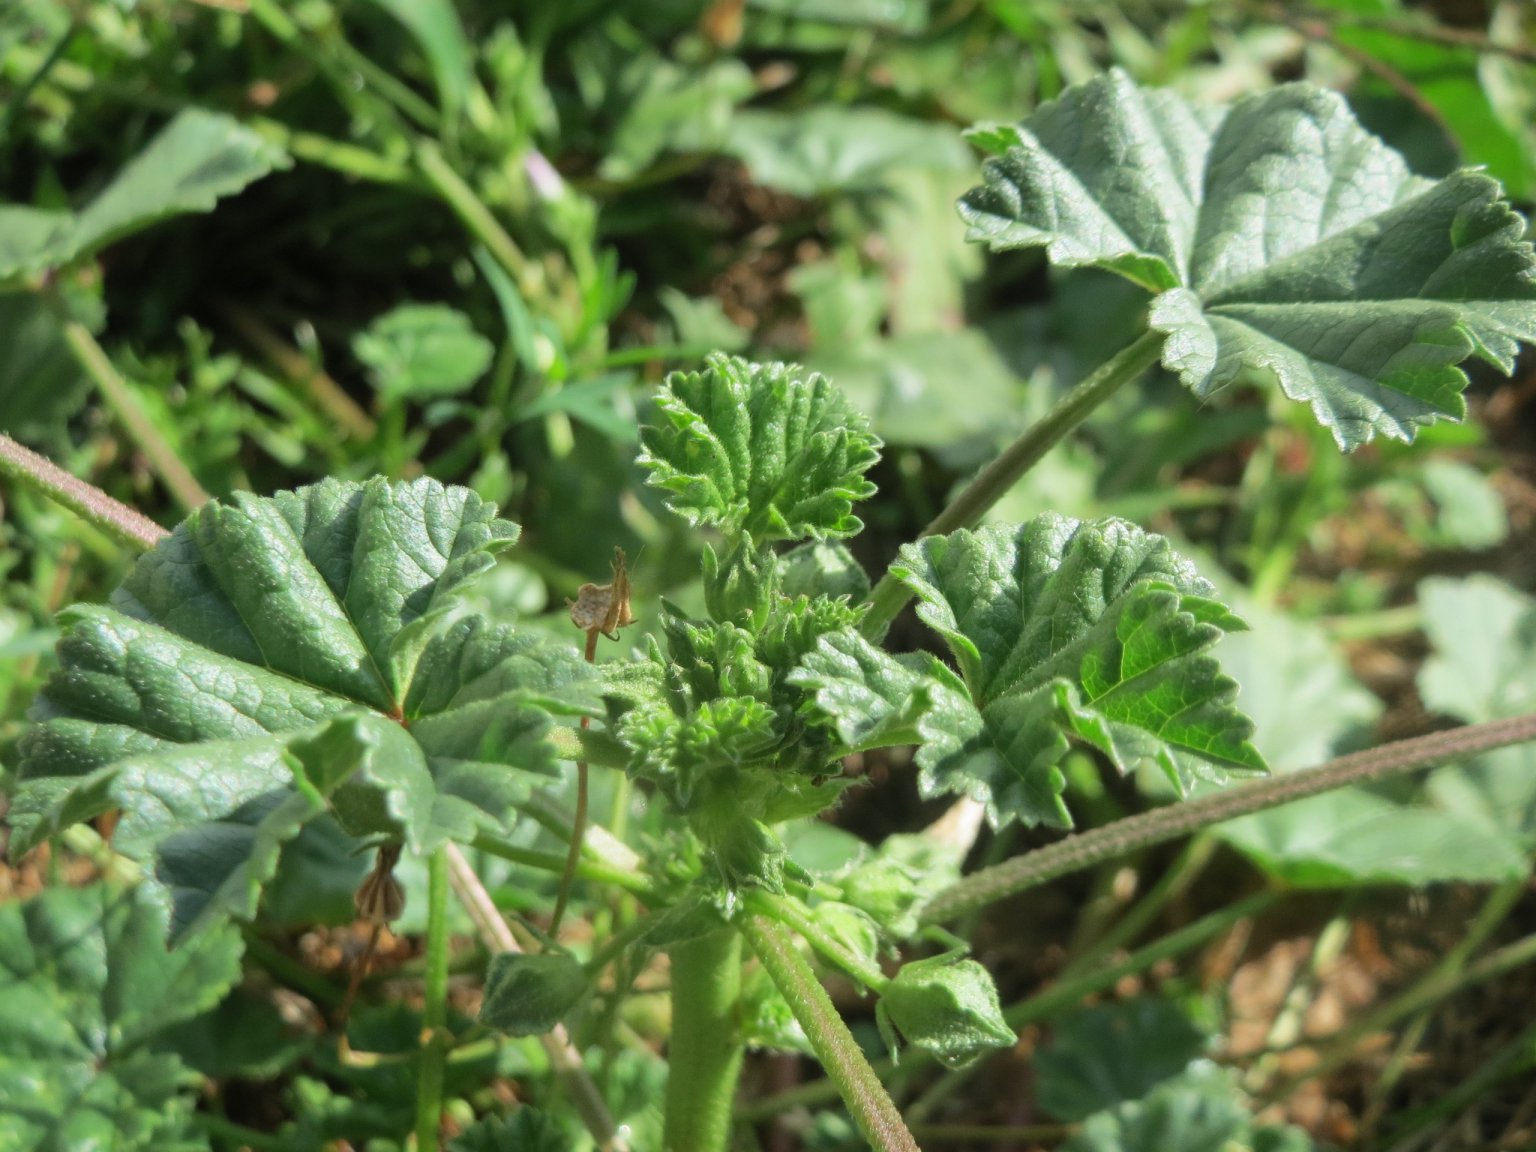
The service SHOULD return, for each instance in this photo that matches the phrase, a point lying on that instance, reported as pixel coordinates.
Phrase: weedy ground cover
(329, 826)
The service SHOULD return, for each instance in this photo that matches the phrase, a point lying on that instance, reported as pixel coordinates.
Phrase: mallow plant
(277, 661)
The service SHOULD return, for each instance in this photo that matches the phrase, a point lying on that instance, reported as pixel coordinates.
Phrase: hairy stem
(793, 914)
(704, 1057)
(1164, 824)
(835, 1046)
(434, 1013)
(563, 1057)
(124, 524)
(1018, 458)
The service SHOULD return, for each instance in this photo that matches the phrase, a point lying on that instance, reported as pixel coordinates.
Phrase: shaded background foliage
(617, 192)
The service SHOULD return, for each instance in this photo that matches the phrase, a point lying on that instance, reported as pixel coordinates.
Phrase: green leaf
(41, 382)
(668, 107)
(277, 657)
(906, 384)
(422, 351)
(1355, 837)
(1112, 1053)
(527, 994)
(761, 449)
(245, 1037)
(1200, 1111)
(1065, 629)
(946, 1006)
(823, 568)
(1483, 668)
(195, 160)
(87, 995)
(1469, 510)
(831, 149)
(1350, 836)
(1283, 241)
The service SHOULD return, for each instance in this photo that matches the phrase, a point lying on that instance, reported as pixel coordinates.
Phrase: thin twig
(563, 1057)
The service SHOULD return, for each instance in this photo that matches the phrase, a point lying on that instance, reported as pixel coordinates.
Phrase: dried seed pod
(604, 607)
(380, 899)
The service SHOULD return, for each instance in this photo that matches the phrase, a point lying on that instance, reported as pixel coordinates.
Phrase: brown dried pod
(604, 607)
(380, 899)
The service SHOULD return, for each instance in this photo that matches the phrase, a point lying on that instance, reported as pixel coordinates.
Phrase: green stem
(24, 91)
(835, 1047)
(238, 1134)
(1515, 1058)
(337, 155)
(124, 524)
(1164, 824)
(434, 1013)
(162, 458)
(328, 396)
(630, 881)
(704, 1058)
(1439, 985)
(479, 219)
(287, 971)
(1063, 994)
(996, 478)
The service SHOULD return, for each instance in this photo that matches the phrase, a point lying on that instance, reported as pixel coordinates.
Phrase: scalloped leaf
(1064, 629)
(1283, 241)
(194, 161)
(277, 657)
(87, 994)
(1108, 1054)
(761, 449)
(1202, 1110)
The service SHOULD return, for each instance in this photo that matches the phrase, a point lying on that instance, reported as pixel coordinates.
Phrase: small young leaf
(1284, 242)
(823, 568)
(760, 449)
(88, 994)
(527, 994)
(873, 699)
(946, 1006)
(1067, 629)
(423, 351)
